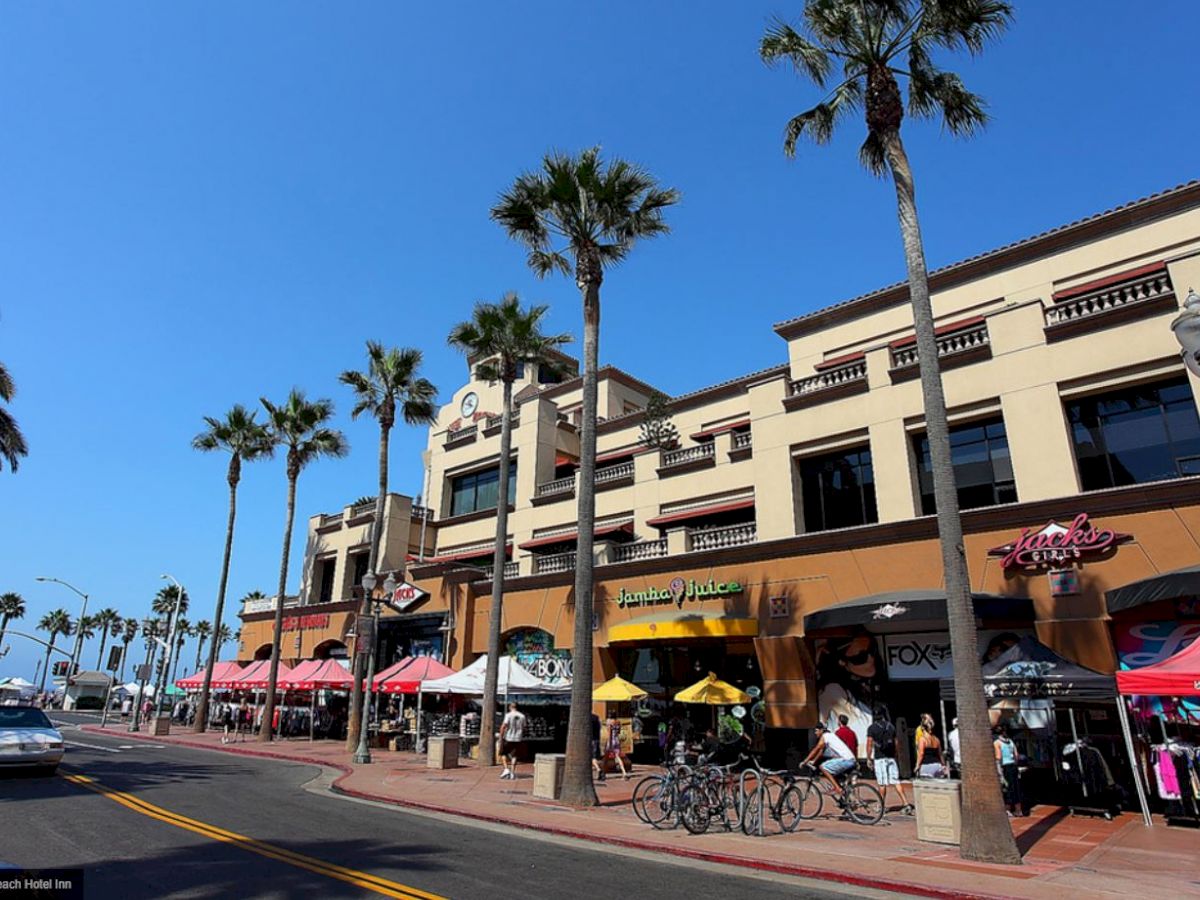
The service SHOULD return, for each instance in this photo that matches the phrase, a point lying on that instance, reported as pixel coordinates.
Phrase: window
(361, 561)
(547, 375)
(479, 490)
(1146, 433)
(982, 467)
(838, 490)
(519, 370)
(325, 575)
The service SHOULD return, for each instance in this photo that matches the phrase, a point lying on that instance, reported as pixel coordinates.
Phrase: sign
(114, 659)
(534, 650)
(143, 672)
(1063, 582)
(364, 631)
(405, 596)
(926, 655)
(1055, 544)
(677, 591)
(303, 623)
(780, 607)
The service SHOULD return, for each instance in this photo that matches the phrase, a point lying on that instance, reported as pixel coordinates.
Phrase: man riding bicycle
(839, 758)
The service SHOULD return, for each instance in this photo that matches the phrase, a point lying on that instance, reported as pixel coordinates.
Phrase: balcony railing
(831, 378)
(330, 519)
(511, 570)
(613, 473)
(555, 562)
(557, 486)
(685, 455)
(640, 550)
(492, 422)
(465, 433)
(725, 536)
(949, 345)
(1118, 296)
(422, 512)
(362, 509)
(741, 440)
(267, 604)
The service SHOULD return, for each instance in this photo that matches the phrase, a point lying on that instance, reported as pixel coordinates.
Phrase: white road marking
(92, 746)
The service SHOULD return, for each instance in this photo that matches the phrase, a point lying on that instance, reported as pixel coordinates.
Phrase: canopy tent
(924, 605)
(135, 689)
(391, 671)
(513, 679)
(1166, 586)
(221, 671)
(17, 686)
(617, 690)
(318, 674)
(712, 691)
(409, 679)
(255, 676)
(1175, 676)
(1031, 670)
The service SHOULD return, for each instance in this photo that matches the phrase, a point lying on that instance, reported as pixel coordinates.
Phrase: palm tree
(183, 631)
(164, 602)
(104, 621)
(202, 630)
(872, 45)
(12, 606)
(245, 440)
(129, 631)
(581, 212)
(12, 442)
(54, 623)
(301, 426)
(223, 636)
(500, 336)
(392, 384)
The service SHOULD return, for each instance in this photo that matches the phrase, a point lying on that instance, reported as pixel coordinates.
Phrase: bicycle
(656, 797)
(709, 795)
(777, 792)
(861, 803)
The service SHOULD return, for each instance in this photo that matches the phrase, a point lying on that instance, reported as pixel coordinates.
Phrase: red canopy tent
(221, 671)
(255, 676)
(319, 674)
(391, 672)
(1175, 676)
(408, 680)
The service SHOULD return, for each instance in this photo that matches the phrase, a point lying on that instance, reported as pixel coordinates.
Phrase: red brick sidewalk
(1089, 857)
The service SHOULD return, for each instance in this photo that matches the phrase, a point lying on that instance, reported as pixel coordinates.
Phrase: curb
(851, 880)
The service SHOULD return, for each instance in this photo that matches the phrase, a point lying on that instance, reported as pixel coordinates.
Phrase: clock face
(470, 403)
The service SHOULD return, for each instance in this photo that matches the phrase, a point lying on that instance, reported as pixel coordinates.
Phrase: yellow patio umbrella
(712, 691)
(618, 690)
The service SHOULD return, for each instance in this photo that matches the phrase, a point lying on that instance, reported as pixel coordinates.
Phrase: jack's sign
(1054, 544)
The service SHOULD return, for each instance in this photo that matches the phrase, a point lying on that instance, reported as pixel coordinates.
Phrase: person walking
(954, 747)
(612, 747)
(882, 746)
(1010, 773)
(930, 762)
(846, 733)
(512, 731)
(126, 708)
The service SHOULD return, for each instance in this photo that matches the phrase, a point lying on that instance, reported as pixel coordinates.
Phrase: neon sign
(1055, 543)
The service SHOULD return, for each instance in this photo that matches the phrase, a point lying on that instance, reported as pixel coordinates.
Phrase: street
(148, 820)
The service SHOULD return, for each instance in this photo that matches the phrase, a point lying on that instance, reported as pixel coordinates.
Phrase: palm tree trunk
(265, 734)
(46, 667)
(103, 641)
(578, 789)
(201, 722)
(487, 718)
(3, 628)
(986, 833)
(199, 650)
(124, 653)
(354, 719)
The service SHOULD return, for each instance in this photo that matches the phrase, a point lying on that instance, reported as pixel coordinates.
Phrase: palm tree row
(12, 441)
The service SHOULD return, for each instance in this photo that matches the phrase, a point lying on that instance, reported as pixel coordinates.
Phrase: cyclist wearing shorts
(839, 759)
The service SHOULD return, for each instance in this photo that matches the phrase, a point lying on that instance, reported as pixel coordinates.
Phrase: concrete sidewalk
(1090, 856)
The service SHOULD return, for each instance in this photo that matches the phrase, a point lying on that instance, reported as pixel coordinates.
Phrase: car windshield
(23, 717)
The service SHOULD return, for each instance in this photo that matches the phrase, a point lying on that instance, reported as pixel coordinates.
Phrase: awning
(912, 606)
(700, 512)
(568, 537)
(474, 553)
(407, 680)
(318, 674)
(1167, 586)
(616, 454)
(720, 429)
(1031, 670)
(674, 624)
(1175, 676)
(561, 459)
(222, 670)
(255, 676)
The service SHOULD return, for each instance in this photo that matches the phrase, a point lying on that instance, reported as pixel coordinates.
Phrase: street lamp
(82, 615)
(1187, 331)
(363, 754)
(171, 623)
(143, 674)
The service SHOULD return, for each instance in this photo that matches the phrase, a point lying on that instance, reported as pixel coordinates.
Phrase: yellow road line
(330, 870)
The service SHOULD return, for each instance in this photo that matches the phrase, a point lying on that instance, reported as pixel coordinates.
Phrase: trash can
(443, 752)
(162, 725)
(939, 809)
(548, 775)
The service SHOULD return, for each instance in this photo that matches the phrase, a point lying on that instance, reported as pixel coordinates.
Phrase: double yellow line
(320, 867)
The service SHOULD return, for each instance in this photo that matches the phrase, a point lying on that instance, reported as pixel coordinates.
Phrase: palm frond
(782, 41)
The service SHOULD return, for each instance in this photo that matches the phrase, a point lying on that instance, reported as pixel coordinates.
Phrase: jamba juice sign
(677, 591)
(1054, 544)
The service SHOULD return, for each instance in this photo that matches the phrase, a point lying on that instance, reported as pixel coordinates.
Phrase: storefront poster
(850, 678)
(534, 649)
(926, 655)
(1146, 643)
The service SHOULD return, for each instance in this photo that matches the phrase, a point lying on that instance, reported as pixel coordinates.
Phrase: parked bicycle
(776, 792)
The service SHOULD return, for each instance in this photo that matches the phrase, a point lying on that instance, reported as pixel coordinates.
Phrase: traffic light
(62, 668)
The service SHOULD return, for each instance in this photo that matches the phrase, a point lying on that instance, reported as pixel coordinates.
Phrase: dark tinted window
(982, 467)
(479, 490)
(23, 717)
(838, 490)
(1134, 435)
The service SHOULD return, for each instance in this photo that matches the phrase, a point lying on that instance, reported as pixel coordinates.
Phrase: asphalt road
(160, 821)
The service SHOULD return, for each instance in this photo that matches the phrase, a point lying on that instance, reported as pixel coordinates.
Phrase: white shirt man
(512, 730)
(839, 757)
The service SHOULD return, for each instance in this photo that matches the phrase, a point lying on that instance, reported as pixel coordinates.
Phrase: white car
(28, 739)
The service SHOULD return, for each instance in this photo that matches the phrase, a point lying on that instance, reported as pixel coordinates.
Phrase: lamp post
(363, 754)
(171, 623)
(82, 616)
(145, 671)
(1187, 331)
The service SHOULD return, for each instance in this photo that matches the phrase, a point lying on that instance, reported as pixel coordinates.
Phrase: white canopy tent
(14, 690)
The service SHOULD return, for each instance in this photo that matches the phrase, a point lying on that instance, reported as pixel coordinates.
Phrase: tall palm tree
(12, 606)
(183, 631)
(865, 48)
(245, 440)
(223, 636)
(391, 384)
(202, 630)
(129, 630)
(54, 623)
(164, 603)
(301, 426)
(501, 336)
(12, 442)
(104, 620)
(580, 213)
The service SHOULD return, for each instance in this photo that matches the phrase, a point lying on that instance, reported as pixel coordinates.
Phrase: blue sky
(203, 203)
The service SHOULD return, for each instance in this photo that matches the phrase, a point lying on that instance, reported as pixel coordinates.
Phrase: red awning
(1068, 293)
(1175, 676)
(221, 671)
(720, 429)
(319, 674)
(561, 459)
(408, 679)
(948, 328)
(255, 676)
(466, 554)
(699, 512)
(610, 455)
(567, 537)
(839, 361)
